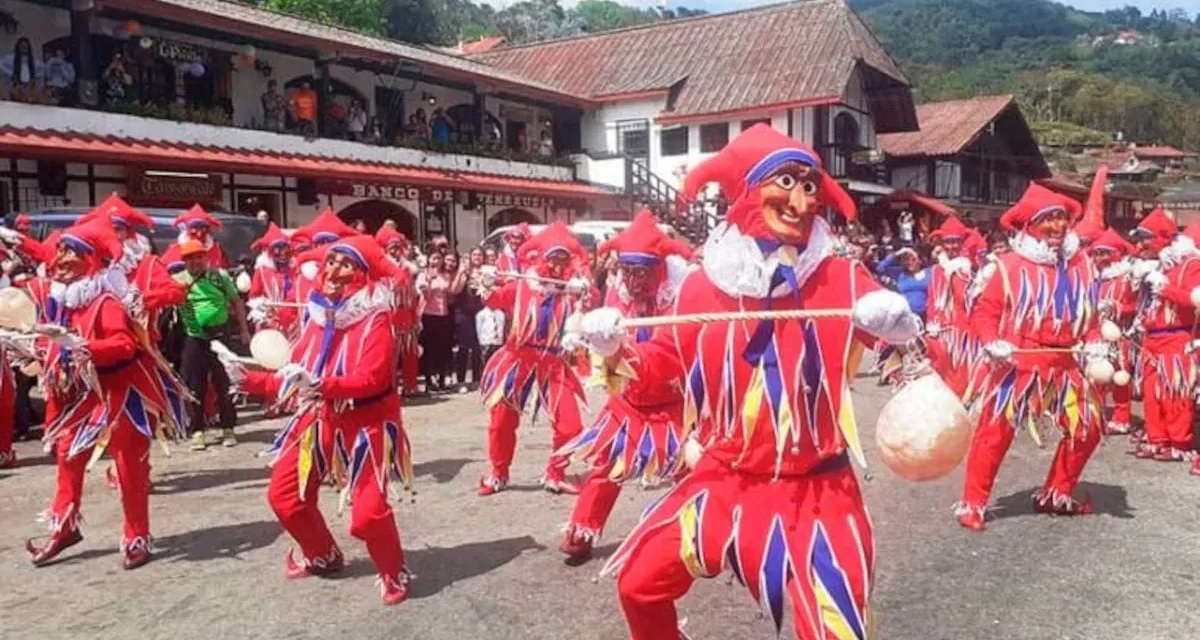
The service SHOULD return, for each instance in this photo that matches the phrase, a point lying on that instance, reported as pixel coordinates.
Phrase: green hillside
(1117, 71)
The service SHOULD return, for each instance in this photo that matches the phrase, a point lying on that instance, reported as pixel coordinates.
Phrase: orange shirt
(304, 103)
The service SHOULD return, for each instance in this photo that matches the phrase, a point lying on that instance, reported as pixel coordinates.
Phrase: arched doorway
(373, 213)
(509, 217)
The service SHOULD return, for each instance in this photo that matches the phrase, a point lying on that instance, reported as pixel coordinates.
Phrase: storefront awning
(77, 147)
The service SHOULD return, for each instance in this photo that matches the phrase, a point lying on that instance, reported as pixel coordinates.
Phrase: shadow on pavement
(39, 461)
(426, 400)
(1106, 499)
(443, 471)
(440, 567)
(226, 541)
(184, 482)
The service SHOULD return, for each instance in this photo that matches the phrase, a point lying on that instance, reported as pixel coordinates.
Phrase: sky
(728, 5)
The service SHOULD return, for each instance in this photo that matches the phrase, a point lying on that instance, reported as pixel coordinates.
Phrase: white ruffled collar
(738, 267)
(364, 303)
(83, 291)
(132, 252)
(1038, 251)
(1118, 269)
(264, 261)
(1180, 249)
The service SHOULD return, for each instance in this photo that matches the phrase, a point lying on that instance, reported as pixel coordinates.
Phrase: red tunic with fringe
(269, 283)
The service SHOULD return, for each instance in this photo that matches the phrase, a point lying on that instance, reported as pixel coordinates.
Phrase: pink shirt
(435, 286)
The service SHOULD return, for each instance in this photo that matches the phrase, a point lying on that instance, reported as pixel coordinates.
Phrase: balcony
(206, 128)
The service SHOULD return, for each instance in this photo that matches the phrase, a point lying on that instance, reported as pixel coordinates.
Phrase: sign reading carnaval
(433, 195)
(181, 189)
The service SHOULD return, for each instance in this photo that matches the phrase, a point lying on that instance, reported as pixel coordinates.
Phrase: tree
(365, 16)
(532, 20)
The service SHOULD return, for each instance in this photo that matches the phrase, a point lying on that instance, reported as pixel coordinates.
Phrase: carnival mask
(790, 197)
(640, 280)
(340, 275)
(69, 264)
(1050, 227)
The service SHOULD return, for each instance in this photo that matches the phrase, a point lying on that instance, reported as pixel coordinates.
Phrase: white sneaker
(464, 389)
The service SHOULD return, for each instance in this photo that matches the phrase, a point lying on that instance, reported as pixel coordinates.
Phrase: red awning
(72, 147)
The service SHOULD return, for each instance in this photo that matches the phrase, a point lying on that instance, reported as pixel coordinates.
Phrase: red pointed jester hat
(366, 253)
(325, 228)
(1036, 202)
(642, 242)
(556, 237)
(951, 227)
(1157, 224)
(274, 236)
(196, 216)
(520, 231)
(745, 164)
(1110, 240)
(120, 212)
(388, 236)
(95, 240)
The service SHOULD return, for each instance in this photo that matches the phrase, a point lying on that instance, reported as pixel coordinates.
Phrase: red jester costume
(532, 361)
(273, 285)
(948, 330)
(404, 317)
(326, 228)
(773, 497)
(105, 391)
(196, 224)
(1034, 308)
(1166, 316)
(348, 427)
(509, 260)
(638, 433)
(1116, 303)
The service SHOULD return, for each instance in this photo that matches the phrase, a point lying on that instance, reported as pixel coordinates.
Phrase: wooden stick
(734, 316)
(289, 305)
(527, 276)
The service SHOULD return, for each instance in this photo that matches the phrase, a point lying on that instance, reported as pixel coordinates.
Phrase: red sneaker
(137, 553)
(42, 556)
(1146, 451)
(972, 520)
(577, 547)
(320, 567)
(560, 485)
(492, 484)
(394, 590)
(8, 460)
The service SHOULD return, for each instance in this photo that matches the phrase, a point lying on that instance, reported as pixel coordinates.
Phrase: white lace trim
(83, 291)
(1180, 249)
(1038, 251)
(737, 266)
(132, 253)
(364, 303)
(1118, 269)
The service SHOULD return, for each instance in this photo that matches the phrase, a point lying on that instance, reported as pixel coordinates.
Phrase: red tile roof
(797, 53)
(272, 26)
(79, 147)
(482, 45)
(1160, 152)
(947, 128)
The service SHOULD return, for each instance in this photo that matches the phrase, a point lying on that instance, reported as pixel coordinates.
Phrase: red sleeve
(34, 250)
(163, 290)
(258, 288)
(1189, 279)
(375, 372)
(114, 341)
(989, 308)
(503, 298)
(262, 384)
(1126, 302)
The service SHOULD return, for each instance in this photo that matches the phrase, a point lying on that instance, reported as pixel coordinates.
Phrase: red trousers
(8, 408)
(130, 451)
(502, 436)
(410, 367)
(596, 500)
(371, 518)
(991, 442)
(957, 378)
(1168, 407)
(802, 539)
(1122, 400)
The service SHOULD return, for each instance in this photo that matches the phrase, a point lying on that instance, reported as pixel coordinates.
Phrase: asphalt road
(489, 568)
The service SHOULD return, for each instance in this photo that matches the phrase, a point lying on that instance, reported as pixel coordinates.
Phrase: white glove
(10, 237)
(1000, 350)
(257, 311)
(1141, 268)
(933, 329)
(488, 275)
(295, 377)
(1097, 351)
(602, 331)
(229, 360)
(885, 314)
(1157, 281)
(577, 286)
(959, 265)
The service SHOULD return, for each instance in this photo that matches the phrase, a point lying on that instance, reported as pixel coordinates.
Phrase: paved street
(489, 568)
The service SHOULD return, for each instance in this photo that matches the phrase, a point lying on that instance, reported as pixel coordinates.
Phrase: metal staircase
(692, 219)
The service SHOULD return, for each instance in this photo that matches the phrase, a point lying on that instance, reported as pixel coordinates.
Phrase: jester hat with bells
(1037, 202)
(521, 232)
(554, 238)
(753, 160)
